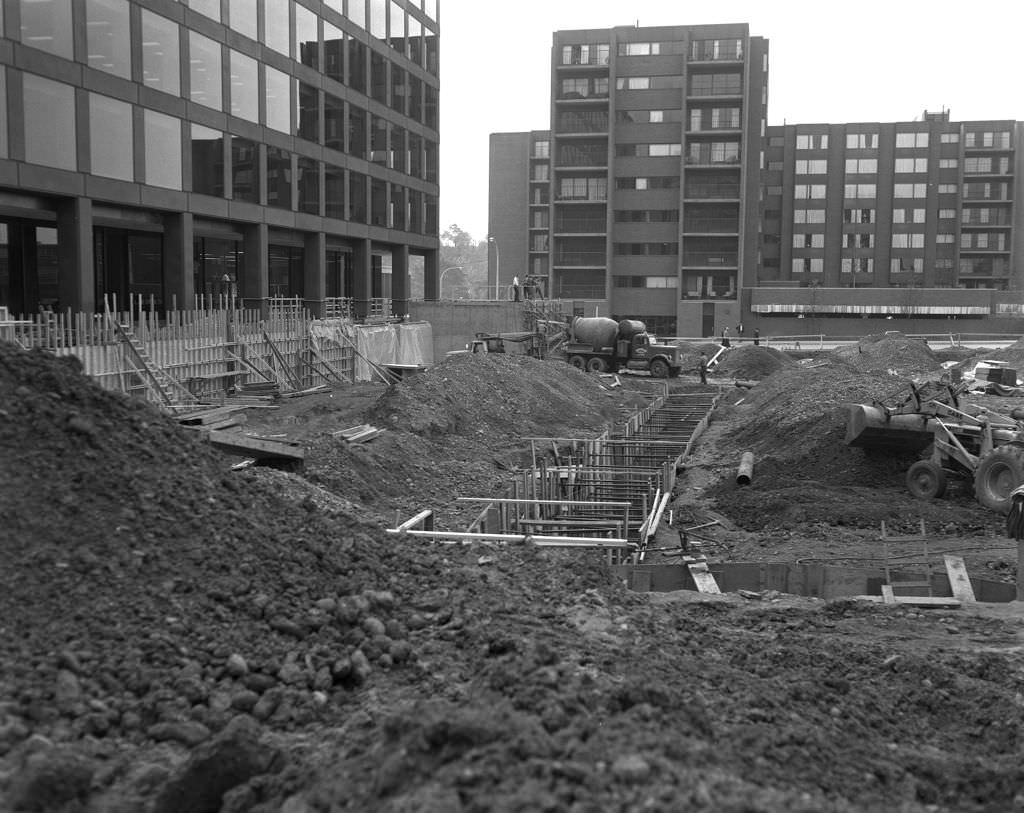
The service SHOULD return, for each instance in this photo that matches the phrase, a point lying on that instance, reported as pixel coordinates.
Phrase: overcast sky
(829, 61)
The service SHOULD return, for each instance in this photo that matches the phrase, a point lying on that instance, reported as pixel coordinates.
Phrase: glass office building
(255, 148)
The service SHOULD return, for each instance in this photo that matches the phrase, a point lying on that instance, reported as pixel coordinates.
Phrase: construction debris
(358, 434)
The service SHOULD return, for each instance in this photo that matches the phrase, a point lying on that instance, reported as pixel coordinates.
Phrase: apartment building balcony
(579, 259)
(708, 259)
(711, 225)
(584, 225)
(711, 192)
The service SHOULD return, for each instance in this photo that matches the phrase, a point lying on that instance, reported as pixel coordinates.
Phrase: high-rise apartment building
(643, 198)
(661, 194)
(253, 148)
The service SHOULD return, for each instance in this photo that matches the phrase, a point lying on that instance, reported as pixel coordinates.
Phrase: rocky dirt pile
(890, 353)
(747, 362)
(179, 637)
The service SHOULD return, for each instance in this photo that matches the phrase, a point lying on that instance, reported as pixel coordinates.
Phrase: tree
(466, 258)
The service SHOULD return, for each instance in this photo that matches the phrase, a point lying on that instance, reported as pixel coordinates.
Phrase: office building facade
(643, 199)
(257, 149)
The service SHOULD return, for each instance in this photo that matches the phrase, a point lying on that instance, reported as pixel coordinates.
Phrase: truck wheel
(659, 369)
(926, 480)
(578, 362)
(597, 365)
(999, 473)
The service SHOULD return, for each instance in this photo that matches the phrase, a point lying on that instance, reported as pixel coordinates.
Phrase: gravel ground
(179, 636)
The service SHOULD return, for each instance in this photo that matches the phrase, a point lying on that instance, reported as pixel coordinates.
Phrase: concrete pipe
(746, 470)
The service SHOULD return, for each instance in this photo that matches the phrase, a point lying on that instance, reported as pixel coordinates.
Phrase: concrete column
(400, 280)
(76, 270)
(362, 277)
(255, 277)
(431, 282)
(314, 270)
(179, 278)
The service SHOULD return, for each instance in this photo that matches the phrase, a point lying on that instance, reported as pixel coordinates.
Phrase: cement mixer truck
(598, 344)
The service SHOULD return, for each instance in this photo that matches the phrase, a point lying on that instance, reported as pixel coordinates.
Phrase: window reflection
(334, 191)
(3, 108)
(207, 161)
(110, 138)
(242, 17)
(309, 113)
(357, 65)
(46, 24)
(309, 185)
(356, 131)
(49, 123)
(107, 37)
(396, 28)
(163, 150)
(334, 52)
(357, 197)
(160, 63)
(279, 105)
(334, 122)
(357, 12)
(277, 30)
(211, 8)
(245, 87)
(279, 178)
(204, 71)
(415, 40)
(307, 37)
(378, 19)
(245, 172)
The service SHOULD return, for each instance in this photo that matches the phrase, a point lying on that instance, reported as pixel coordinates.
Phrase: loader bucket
(870, 428)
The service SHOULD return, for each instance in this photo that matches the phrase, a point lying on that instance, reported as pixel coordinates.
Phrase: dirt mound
(499, 396)
(752, 363)
(892, 353)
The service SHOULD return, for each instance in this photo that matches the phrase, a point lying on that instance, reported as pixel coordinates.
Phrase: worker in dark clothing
(703, 368)
(725, 337)
(757, 337)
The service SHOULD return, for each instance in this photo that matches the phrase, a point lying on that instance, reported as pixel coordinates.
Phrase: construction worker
(1015, 519)
(725, 337)
(703, 368)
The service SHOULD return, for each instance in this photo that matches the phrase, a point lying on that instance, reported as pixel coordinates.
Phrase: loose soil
(179, 635)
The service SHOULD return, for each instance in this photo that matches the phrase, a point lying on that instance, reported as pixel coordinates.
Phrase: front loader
(984, 446)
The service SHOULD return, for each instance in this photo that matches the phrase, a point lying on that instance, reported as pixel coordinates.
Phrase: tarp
(408, 343)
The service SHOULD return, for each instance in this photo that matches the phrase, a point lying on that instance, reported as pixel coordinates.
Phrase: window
(242, 17)
(862, 141)
(49, 123)
(908, 240)
(593, 54)
(859, 190)
(904, 265)
(204, 71)
(816, 167)
(542, 149)
(334, 191)
(357, 190)
(278, 100)
(356, 12)
(812, 142)
(858, 215)
(861, 166)
(857, 265)
(279, 178)
(906, 140)
(950, 138)
(334, 52)
(356, 131)
(808, 265)
(947, 189)
(357, 65)
(107, 38)
(334, 122)
(945, 238)
(245, 87)
(911, 165)
(308, 171)
(908, 216)
(162, 136)
(947, 214)
(160, 62)
(211, 8)
(277, 29)
(3, 106)
(307, 37)
(110, 138)
(974, 166)
(207, 161)
(948, 163)
(245, 170)
(910, 190)
(46, 24)
(644, 150)
(809, 191)
(807, 240)
(645, 249)
(633, 83)
(858, 240)
(808, 215)
(308, 113)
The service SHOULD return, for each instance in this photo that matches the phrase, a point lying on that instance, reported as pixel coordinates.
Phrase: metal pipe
(746, 470)
(457, 537)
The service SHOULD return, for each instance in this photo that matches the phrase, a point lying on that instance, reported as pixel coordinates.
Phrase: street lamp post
(440, 281)
(497, 267)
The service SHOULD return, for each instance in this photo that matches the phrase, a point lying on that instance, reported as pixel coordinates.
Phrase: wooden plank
(703, 578)
(887, 595)
(927, 601)
(260, 448)
(957, 571)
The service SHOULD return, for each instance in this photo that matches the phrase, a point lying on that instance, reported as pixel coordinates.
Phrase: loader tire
(999, 473)
(578, 362)
(926, 480)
